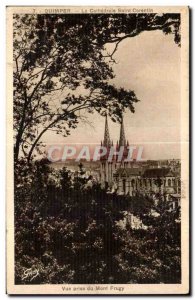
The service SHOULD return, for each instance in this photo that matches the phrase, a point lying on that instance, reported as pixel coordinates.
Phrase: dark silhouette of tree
(67, 230)
(60, 69)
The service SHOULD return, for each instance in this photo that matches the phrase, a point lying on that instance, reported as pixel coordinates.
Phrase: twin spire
(122, 135)
(107, 141)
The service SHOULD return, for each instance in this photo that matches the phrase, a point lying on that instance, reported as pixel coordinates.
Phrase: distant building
(125, 178)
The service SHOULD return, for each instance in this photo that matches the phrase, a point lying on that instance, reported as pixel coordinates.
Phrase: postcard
(97, 150)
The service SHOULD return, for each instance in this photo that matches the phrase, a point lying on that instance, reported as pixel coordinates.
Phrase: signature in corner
(30, 273)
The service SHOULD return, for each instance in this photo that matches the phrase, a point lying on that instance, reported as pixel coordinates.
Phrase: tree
(61, 229)
(66, 54)
(68, 230)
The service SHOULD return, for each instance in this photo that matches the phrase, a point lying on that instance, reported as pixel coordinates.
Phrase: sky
(149, 64)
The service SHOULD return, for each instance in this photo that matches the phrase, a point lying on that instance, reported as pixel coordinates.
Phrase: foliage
(61, 69)
(67, 230)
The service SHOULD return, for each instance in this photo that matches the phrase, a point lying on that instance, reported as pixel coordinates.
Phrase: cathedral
(109, 168)
(126, 178)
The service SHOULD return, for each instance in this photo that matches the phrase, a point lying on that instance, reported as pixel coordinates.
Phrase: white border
(2, 83)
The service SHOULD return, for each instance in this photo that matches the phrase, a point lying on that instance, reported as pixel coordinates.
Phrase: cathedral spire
(122, 141)
(107, 141)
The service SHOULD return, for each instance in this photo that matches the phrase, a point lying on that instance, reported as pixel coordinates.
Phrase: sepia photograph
(98, 146)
